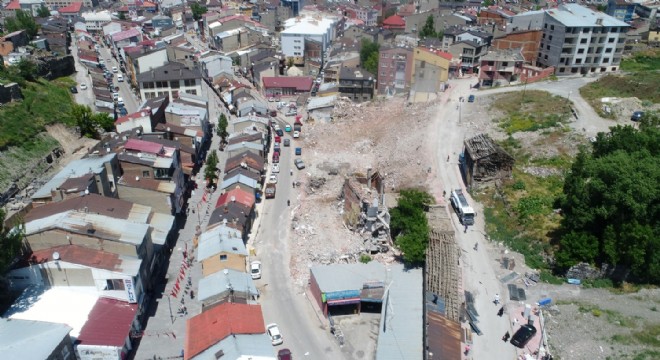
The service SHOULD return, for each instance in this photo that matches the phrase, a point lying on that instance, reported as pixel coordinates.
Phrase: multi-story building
(94, 21)
(500, 67)
(356, 84)
(297, 30)
(621, 9)
(170, 79)
(394, 69)
(430, 70)
(578, 40)
(58, 4)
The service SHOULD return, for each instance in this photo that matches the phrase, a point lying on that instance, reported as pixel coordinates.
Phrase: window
(606, 60)
(66, 353)
(146, 174)
(583, 41)
(611, 40)
(161, 84)
(505, 63)
(578, 61)
(608, 50)
(552, 27)
(189, 82)
(580, 51)
(585, 30)
(114, 284)
(550, 37)
(174, 84)
(147, 85)
(223, 257)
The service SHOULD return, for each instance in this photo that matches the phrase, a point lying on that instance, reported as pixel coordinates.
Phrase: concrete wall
(213, 264)
(528, 41)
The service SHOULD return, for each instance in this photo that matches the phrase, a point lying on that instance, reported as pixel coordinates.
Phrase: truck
(462, 207)
(297, 125)
(270, 190)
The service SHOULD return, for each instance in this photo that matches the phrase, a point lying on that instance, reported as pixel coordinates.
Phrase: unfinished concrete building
(483, 160)
(365, 211)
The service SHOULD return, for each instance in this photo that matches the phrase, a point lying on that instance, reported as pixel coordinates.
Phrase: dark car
(298, 151)
(73, 90)
(287, 142)
(284, 354)
(471, 98)
(279, 132)
(523, 335)
(637, 116)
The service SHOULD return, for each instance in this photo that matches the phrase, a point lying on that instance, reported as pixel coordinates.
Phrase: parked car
(275, 335)
(299, 164)
(296, 134)
(120, 101)
(471, 98)
(637, 116)
(278, 139)
(276, 168)
(115, 70)
(287, 128)
(279, 132)
(83, 87)
(284, 354)
(298, 151)
(272, 179)
(276, 158)
(120, 78)
(73, 90)
(255, 270)
(523, 335)
(287, 142)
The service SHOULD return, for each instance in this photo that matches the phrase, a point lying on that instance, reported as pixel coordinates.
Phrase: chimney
(226, 209)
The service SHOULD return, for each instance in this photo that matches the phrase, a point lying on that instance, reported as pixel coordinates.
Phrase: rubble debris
(484, 160)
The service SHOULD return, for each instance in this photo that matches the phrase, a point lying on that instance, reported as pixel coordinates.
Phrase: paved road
(130, 100)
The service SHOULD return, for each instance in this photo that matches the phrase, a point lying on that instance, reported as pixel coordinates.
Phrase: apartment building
(394, 69)
(579, 40)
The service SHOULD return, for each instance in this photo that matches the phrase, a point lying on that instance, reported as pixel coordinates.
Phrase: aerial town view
(329, 179)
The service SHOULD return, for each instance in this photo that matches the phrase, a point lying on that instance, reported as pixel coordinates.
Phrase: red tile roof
(135, 115)
(109, 323)
(148, 4)
(14, 5)
(215, 324)
(80, 255)
(145, 146)
(71, 9)
(394, 21)
(442, 54)
(239, 195)
(300, 83)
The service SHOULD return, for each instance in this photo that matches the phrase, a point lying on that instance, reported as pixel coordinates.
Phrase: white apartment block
(578, 40)
(94, 21)
(317, 28)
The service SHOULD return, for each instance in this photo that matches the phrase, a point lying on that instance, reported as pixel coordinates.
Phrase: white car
(120, 101)
(255, 270)
(296, 134)
(275, 335)
(273, 179)
(276, 168)
(83, 87)
(115, 70)
(120, 78)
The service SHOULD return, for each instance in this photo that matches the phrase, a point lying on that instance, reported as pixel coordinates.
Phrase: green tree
(22, 21)
(84, 120)
(103, 120)
(611, 203)
(369, 56)
(27, 69)
(43, 12)
(428, 30)
(11, 245)
(222, 127)
(211, 170)
(121, 16)
(371, 64)
(197, 11)
(409, 226)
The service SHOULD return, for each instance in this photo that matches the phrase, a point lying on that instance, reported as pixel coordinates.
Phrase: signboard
(91, 352)
(130, 290)
(345, 294)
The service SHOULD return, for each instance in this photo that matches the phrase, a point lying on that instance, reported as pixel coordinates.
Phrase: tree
(122, 16)
(197, 11)
(211, 170)
(409, 226)
(222, 127)
(369, 56)
(103, 120)
(11, 243)
(27, 69)
(611, 203)
(428, 30)
(43, 12)
(22, 21)
(84, 120)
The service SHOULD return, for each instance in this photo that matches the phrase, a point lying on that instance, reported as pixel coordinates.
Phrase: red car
(284, 354)
(276, 157)
(278, 139)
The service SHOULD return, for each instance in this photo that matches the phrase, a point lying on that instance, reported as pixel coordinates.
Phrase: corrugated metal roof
(402, 322)
(300, 83)
(98, 226)
(234, 347)
(109, 323)
(219, 283)
(92, 258)
(77, 168)
(236, 194)
(239, 179)
(163, 162)
(580, 16)
(220, 239)
(29, 339)
(247, 145)
(443, 337)
(340, 277)
(321, 102)
(162, 225)
(219, 322)
(144, 146)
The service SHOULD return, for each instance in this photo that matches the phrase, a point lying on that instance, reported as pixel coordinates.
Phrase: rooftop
(341, 277)
(29, 339)
(236, 194)
(236, 215)
(144, 146)
(126, 34)
(351, 73)
(234, 347)
(503, 55)
(92, 258)
(109, 323)
(217, 323)
(96, 204)
(76, 168)
(580, 16)
(220, 239)
(308, 25)
(300, 83)
(245, 159)
(170, 71)
(224, 281)
(73, 8)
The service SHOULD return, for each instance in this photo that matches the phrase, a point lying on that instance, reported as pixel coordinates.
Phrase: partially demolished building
(483, 160)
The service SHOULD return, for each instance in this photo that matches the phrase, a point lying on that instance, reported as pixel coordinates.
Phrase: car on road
(279, 132)
(299, 164)
(287, 142)
(120, 101)
(471, 98)
(272, 179)
(73, 90)
(296, 134)
(255, 270)
(120, 78)
(275, 335)
(115, 70)
(276, 127)
(83, 87)
(276, 158)
(284, 354)
(287, 128)
(637, 116)
(276, 168)
(523, 335)
(298, 151)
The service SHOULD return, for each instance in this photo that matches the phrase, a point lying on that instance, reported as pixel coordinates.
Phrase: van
(120, 78)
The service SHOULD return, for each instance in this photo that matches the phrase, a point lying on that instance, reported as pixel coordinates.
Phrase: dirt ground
(74, 146)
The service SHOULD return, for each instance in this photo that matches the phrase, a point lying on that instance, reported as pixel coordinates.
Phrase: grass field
(643, 61)
(530, 110)
(642, 85)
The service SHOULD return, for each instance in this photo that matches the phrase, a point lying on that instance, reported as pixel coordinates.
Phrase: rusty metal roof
(443, 337)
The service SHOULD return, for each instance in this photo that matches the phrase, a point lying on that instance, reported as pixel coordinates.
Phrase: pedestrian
(501, 312)
(506, 337)
(497, 299)
(467, 349)
(447, 158)
(465, 230)
(192, 294)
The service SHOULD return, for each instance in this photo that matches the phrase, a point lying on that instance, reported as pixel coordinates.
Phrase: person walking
(500, 312)
(465, 230)
(506, 337)
(497, 299)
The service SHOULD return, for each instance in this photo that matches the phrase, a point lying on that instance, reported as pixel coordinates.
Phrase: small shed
(484, 160)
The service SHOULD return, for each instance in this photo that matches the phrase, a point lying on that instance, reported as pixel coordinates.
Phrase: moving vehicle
(287, 142)
(276, 168)
(637, 116)
(471, 98)
(279, 132)
(298, 151)
(83, 87)
(523, 335)
(115, 70)
(463, 209)
(296, 134)
(291, 112)
(255, 270)
(120, 78)
(275, 335)
(287, 128)
(284, 354)
(299, 164)
(272, 179)
(270, 191)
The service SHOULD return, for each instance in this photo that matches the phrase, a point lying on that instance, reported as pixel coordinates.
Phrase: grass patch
(647, 355)
(531, 110)
(44, 103)
(649, 335)
(548, 277)
(642, 85)
(642, 61)
(17, 161)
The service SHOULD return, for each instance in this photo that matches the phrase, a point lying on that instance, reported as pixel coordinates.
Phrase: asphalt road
(130, 100)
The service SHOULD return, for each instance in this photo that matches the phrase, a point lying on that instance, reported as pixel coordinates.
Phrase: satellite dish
(56, 255)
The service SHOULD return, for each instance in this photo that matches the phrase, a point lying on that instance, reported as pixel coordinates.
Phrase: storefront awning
(344, 301)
